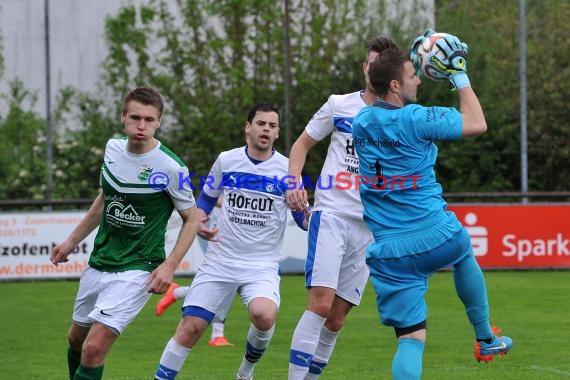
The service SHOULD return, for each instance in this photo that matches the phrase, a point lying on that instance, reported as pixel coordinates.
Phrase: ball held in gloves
(440, 55)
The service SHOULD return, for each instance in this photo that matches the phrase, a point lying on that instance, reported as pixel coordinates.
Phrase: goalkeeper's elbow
(473, 126)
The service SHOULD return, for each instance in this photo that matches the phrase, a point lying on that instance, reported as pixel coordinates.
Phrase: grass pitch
(531, 307)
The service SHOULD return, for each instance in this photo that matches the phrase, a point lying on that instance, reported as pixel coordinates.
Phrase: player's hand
(414, 49)
(206, 232)
(61, 252)
(160, 279)
(455, 53)
(307, 212)
(297, 199)
(454, 63)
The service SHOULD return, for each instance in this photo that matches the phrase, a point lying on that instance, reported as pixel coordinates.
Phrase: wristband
(459, 80)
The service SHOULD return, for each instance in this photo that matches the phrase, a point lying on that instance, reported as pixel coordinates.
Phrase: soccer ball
(427, 49)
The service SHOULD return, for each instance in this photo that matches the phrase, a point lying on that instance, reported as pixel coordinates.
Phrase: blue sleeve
(206, 203)
(299, 217)
(436, 123)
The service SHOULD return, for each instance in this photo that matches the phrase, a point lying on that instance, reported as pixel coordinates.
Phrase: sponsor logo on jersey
(260, 204)
(121, 215)
(377, 142)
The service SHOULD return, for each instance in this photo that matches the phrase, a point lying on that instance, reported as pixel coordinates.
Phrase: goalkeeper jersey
(403, 205)
(132, 230)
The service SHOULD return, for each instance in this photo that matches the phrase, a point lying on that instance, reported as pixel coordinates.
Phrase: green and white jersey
(140, 191)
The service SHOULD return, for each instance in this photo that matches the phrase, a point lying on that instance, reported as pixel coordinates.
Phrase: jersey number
(378, 170)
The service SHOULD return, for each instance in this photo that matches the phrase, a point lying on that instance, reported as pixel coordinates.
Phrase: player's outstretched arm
(84, 228)
(297, 198)
(161, 278)
(474, 123)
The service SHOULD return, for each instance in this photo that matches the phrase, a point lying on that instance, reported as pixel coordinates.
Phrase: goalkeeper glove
(414, 49)
(454, 65)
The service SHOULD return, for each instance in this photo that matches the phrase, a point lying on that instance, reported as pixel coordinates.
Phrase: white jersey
(336, 190)
(254, 211)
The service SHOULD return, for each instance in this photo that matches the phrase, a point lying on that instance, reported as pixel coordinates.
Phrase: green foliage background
(213, 59)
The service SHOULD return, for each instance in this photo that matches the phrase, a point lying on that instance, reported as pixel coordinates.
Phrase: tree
(214, 59)
(22, 146)
(79, 151)
(491, 162)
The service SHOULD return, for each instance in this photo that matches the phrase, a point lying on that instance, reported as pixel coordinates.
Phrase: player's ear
(393, 85)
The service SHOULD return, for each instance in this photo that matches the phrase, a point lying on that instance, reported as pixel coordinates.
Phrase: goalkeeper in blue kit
(414, 235)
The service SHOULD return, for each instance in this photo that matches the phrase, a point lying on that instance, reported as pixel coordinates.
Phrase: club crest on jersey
(144, 173)
(270, 188)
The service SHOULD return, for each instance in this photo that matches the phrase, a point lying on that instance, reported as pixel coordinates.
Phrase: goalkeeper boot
(167, 300)
(499, 345)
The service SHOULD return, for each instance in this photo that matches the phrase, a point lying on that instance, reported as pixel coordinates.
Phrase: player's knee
(321, 307)
(334, 324)
(337, 314)
(263, 321)
(189, 331)
(76, 337)
(74, 341)
(92, 353)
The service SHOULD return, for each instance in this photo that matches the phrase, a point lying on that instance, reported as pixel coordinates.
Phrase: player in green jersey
(128, 262)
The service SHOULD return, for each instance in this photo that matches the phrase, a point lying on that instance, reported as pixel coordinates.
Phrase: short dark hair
(263, 107)
(144, 95)
(379, 44)
(387, 67)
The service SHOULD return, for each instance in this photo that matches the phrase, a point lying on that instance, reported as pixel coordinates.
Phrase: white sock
(180, 292)
(324, 350)
(171, 361)
(304, 344)
(217, 330)
(257, 342)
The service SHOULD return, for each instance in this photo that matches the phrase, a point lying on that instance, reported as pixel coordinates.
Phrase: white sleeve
(212, 185)
(321, 124)
(180, 192)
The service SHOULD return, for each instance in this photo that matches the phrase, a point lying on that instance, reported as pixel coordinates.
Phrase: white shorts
(217, 282)
(112, 299)
(336, 255)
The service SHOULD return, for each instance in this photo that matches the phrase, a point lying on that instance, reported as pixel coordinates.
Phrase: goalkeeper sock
(407, 362)
(472, 290)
